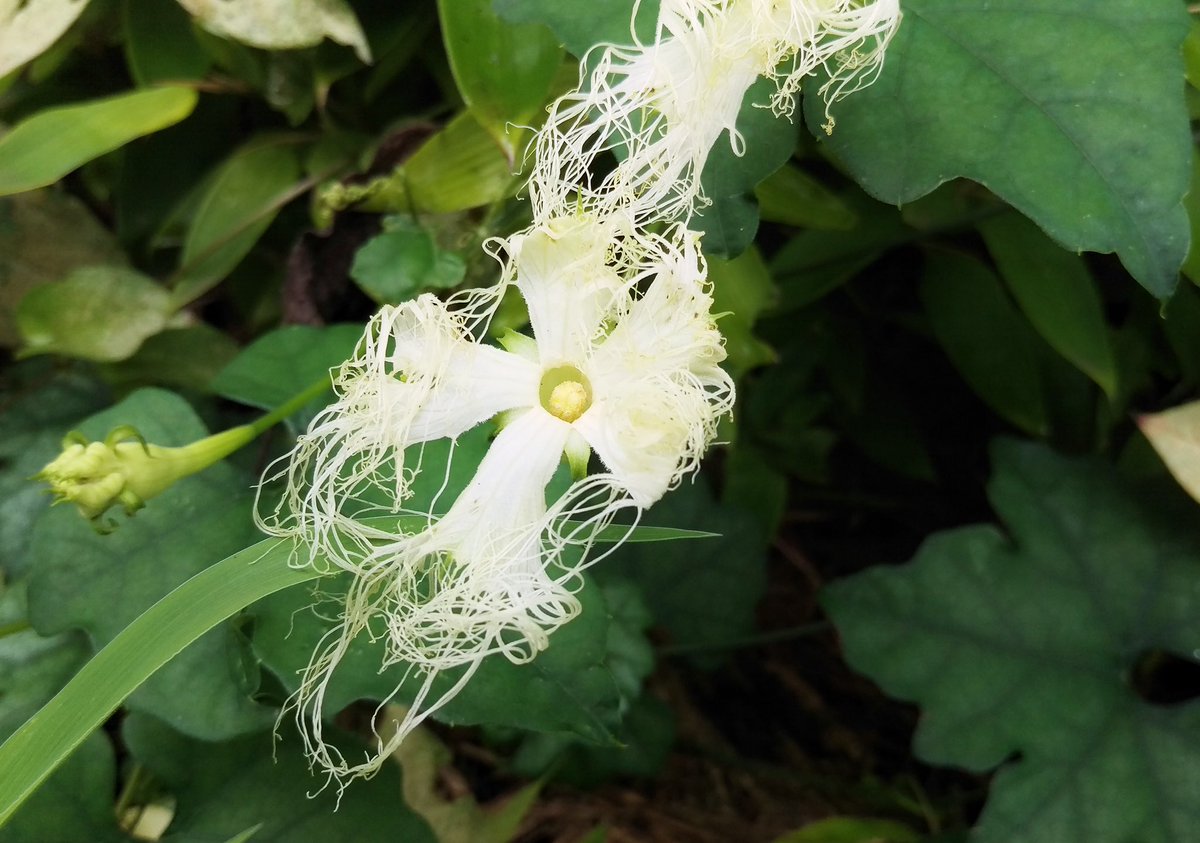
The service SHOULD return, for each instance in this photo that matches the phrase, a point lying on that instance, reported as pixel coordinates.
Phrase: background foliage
(976, 275)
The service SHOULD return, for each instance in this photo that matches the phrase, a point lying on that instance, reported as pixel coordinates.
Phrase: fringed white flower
(662, 106)
(624, 361)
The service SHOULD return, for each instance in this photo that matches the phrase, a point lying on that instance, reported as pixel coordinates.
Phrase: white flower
(661, 106)
(625, 361)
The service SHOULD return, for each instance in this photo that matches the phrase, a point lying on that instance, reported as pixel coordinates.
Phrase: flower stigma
(565, 393)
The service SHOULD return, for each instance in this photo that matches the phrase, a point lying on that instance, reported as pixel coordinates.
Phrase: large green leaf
(96, 312)
(224, 789)
(45, 147)
(160, 45)
(141, 648)
(1071, 110)
(581, 24)
(503, 70)
(567, 688)
(101, 583)
(35, 417)
(1026, 645)
(76, 802)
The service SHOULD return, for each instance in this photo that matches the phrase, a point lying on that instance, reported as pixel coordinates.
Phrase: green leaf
(703, 593)
(182, 358)
(47, 146)
(731, 221)
(102, 583)
(397, 265)
(224, 789)
(141, 648)
(32, 424)
(986, 339)
(240, 202)
(282, 24)
(1026, 645)
(1056, 292)
(44, 234)
(567, 688)
(793, 197)
(283, 363)
(504, 71)
(581, 24)
(742, 289)
(851, 830)
(97, 313)
(28, 29)
(1104, 174)
(76, 803)
(159, 43)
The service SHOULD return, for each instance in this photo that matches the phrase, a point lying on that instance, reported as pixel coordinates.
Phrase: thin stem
(315, 390)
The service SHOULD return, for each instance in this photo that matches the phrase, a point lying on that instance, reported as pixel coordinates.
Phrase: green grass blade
(196, 606)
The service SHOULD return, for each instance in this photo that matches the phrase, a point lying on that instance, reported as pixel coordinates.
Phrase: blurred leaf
(1182, 328)
(1191, 265)
(100, 583)
(44, 234)
(235, 209)
(223, 789)
(1101, 174)
(755, 485)
(159, 44)
(851, 830)
(283, 363)
(742, 289)
(76, 802)
(703, 593)
(1024, 646)
(1057, 294)
(28, 28)
(282, 24)
(33, 421)
(397, 265)
(460, 167)
(793, 197)
(581, 24)
(504, 71)
(97, 313)
(567, 688)
(184, 358)
(731, 221)
(47, 146)
(1175, 435)
(986, 338)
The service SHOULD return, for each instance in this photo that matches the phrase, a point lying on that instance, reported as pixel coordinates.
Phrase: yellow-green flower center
(565, 393)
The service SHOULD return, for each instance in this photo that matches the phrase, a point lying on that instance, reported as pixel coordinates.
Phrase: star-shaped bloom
(661, 106)
(624, 362)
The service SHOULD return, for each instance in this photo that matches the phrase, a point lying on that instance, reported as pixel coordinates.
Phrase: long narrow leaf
(39, 746)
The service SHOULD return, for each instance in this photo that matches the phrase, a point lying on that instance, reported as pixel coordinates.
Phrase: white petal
(563, 273)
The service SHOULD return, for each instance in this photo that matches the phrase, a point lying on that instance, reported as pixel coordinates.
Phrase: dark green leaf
(183, 358)
(224, 789)
(99, 583)
(45, 147)
(1056, 293)
(793, 197)
(159, 43)
(742, 289)
(1090, 142)
(581, 24)
(398, 265)
(986, 338)
(1026, 645)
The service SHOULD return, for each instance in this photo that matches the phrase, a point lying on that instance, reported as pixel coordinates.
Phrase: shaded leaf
(100, 583)
(1057, 294)
(1099, 171)
(224, 789)
(281, 24)
(742, 289)
(793, 197)
(45, 147)
(399, 264)
(184, 358)
(581, 24)
(1026, 645)
(159, 43)
(235, 209)
(97, 313)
